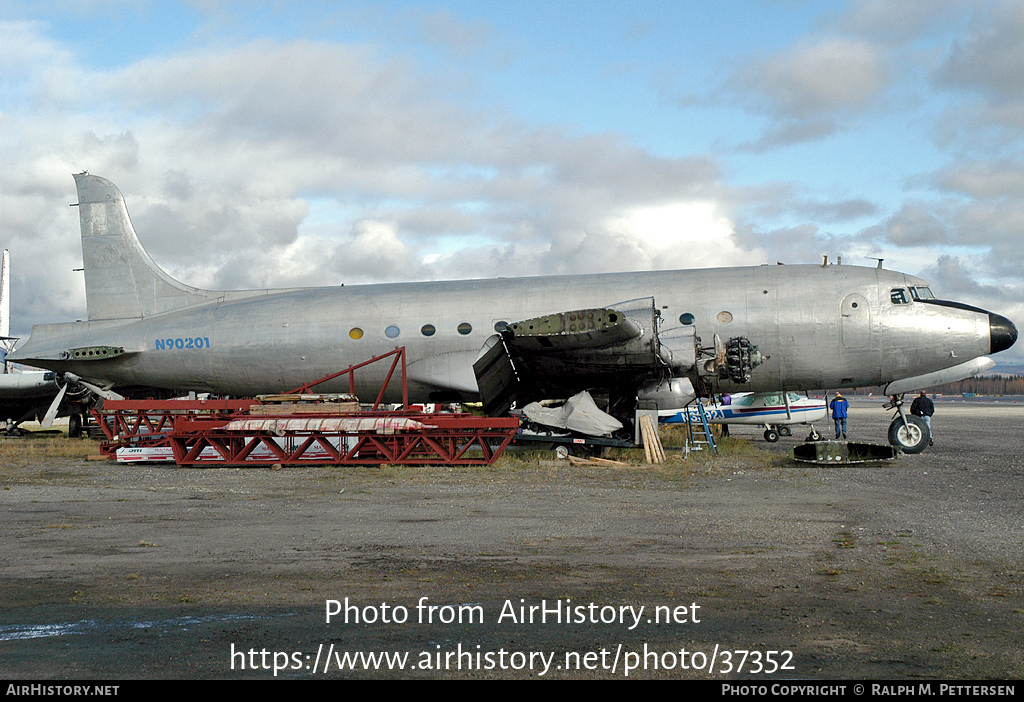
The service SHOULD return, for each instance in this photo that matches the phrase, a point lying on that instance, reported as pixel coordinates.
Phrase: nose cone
(1002, 331)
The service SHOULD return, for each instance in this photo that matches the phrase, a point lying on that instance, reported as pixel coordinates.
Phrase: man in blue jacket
(840, 408)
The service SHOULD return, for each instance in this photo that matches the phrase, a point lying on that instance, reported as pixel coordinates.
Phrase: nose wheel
(907, 432)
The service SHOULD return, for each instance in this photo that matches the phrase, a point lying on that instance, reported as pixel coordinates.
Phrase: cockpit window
(922, 292)
(899, 296)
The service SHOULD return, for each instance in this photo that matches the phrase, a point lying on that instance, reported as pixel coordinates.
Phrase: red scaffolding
(253, 432)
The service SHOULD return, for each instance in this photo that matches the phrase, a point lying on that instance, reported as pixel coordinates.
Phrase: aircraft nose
(1002, 332)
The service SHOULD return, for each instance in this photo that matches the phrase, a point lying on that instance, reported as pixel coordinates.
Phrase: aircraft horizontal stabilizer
(95, 353)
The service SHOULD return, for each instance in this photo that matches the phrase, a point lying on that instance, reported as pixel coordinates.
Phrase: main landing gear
(907, 432)
(773, 432)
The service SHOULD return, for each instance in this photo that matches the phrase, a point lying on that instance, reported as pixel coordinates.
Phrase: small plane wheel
(912, 438)
(75, 426)
(785, 431)
(814, 435)
(771, 436)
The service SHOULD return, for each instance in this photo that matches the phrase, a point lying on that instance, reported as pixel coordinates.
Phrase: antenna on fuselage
(879, 261)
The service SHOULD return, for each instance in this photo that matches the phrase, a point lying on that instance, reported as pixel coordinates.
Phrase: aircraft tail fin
(121, 280)
(5, 295)
(6, 342)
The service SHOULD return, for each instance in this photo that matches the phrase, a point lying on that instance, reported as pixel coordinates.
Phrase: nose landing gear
(908, 433)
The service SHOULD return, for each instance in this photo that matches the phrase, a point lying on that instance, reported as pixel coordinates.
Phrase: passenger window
(899, 296)
(427, 330)
(465, 328)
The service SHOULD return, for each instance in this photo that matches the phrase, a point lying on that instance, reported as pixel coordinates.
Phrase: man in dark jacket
(924, 408)
(840, 408)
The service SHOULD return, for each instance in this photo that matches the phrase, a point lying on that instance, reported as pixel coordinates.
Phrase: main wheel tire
(785, 431)
(771, 436)
(911, 437)
(75, 426)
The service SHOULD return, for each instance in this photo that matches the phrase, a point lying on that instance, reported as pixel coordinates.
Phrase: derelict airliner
(662, 337)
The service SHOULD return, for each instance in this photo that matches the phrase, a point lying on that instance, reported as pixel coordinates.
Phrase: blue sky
(301, 143)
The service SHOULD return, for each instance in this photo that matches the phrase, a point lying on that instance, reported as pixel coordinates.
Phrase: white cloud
(680, 235)
(990, 59)
(822, 77)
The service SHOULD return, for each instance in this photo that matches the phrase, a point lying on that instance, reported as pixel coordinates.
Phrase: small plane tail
(121, 280)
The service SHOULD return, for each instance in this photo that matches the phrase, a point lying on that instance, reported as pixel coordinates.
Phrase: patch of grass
(32, 446)
(845, 540)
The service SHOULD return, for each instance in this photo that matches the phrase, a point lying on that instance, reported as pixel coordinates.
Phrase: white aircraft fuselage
(761, 409)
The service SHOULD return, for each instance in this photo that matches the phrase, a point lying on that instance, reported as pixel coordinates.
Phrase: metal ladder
(700, 432)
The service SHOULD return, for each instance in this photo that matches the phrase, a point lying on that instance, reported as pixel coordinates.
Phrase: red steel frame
(398, 353)
(445, 439)
(194, 429)
(147, 423)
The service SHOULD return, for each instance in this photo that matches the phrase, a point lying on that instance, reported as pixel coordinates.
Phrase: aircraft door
(856, 322)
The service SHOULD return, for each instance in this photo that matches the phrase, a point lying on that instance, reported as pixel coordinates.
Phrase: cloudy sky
(269, 144)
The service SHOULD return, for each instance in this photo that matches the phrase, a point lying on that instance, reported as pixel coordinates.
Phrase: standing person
(924, 408)
(840, 408)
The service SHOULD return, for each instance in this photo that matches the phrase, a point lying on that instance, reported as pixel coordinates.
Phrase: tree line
(983, 385)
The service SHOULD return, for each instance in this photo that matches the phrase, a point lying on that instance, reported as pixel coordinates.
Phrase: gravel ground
(899, 570)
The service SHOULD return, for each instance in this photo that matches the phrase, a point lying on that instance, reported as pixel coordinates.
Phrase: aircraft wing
(562, 353)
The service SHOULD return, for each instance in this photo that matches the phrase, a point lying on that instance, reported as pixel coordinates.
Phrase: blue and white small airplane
(774, 410)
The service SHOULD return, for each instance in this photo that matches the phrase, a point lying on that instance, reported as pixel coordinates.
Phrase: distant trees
(985, 385)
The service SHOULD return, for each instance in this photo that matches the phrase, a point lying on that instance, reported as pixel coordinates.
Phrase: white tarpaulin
(348, 424)
(579, 413)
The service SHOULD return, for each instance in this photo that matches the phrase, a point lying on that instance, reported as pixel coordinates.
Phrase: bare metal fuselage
(819, 326)
(814, 327)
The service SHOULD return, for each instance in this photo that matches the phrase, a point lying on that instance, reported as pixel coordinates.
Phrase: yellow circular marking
(356, 333)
